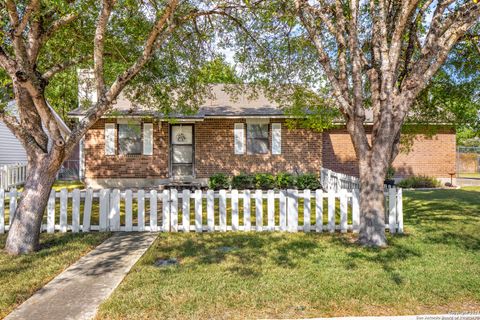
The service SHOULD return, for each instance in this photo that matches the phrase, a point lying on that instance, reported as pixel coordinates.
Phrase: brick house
(134, 146)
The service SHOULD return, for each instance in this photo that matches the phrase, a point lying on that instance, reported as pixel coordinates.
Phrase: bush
(219, 181)
(243, 181)
(264, 181)
(308, 181)
(285, 181)
(390, 173)
(419, 182)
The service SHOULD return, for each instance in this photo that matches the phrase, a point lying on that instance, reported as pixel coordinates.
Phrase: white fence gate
(12, 175)
(334, 180)
(199, 211)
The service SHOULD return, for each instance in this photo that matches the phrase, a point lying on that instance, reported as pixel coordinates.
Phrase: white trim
(128, 121)
(258, 121)
(252, 117)
(110, 138)
(147, 138)
(239, 143)
(234, 117)
(276, 138)
(81, 155)
(175, 121)
(63, 127)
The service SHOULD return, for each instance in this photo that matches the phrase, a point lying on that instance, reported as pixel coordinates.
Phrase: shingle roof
(223, 101)
(220, 102)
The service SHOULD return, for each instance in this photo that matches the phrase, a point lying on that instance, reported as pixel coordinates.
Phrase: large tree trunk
(373, 161)
(372, 204)
(23, 236)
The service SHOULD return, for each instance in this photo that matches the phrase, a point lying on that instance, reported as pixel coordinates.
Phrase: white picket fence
(171, 210)
(12, 175)
(334, 180)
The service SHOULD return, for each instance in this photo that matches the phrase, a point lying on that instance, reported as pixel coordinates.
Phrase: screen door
(181, 150)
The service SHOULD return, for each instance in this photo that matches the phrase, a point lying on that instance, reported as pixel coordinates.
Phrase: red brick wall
(214, 149)
(301, 151)
(214, 152)
(433, 156)
(99, 165)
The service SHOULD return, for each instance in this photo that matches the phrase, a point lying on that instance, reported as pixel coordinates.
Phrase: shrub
(419, 182)
(219, 181)
(243, 181)
(264, 181)
(390, 173)
(284, 181)
(308, 181)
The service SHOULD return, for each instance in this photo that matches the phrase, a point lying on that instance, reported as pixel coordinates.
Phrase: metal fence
(468, 162)
(70, 170)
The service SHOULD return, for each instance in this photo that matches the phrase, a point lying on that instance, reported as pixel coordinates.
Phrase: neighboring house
(12, 151)
(135, 146)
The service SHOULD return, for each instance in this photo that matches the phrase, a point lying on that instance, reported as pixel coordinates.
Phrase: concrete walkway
(78, 291)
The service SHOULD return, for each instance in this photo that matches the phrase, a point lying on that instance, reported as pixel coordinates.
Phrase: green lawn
(21, 276)
(64, 184)
(433, 268)
(70, 185)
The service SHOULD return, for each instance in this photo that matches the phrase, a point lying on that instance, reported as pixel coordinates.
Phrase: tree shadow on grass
(51, 245)
(246, 251)
(287, 255)
(386, 258)
(447, 217)
(285, 250)
(422, 207)
(462, 241)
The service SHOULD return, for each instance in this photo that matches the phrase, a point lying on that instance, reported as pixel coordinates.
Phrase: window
(130, 139)
(257, 138)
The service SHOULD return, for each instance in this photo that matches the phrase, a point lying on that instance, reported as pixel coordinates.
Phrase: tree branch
(400, 27)
(99, 44)
(37, 38)
(61, 22)
(17, 39)
(20, 133)
(47, 75)
(12, 13)
(356, 62)
(338, 31)
(324, 60)
(46, 114)
(29, 118)
(7, 63)
(428, 64)
(34, 6)
(162, 28)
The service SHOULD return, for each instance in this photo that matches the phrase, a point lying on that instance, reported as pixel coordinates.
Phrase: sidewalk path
(77, 292)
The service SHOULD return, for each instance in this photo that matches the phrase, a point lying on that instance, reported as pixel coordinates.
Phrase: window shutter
(109, 139)
(239, 137)
(276, 138)
(148, 139)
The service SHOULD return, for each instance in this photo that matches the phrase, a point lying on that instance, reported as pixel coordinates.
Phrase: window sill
(128, 155)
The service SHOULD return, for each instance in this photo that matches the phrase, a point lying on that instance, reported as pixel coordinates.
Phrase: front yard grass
(433, 268)
(68, 184)
(21, 276)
